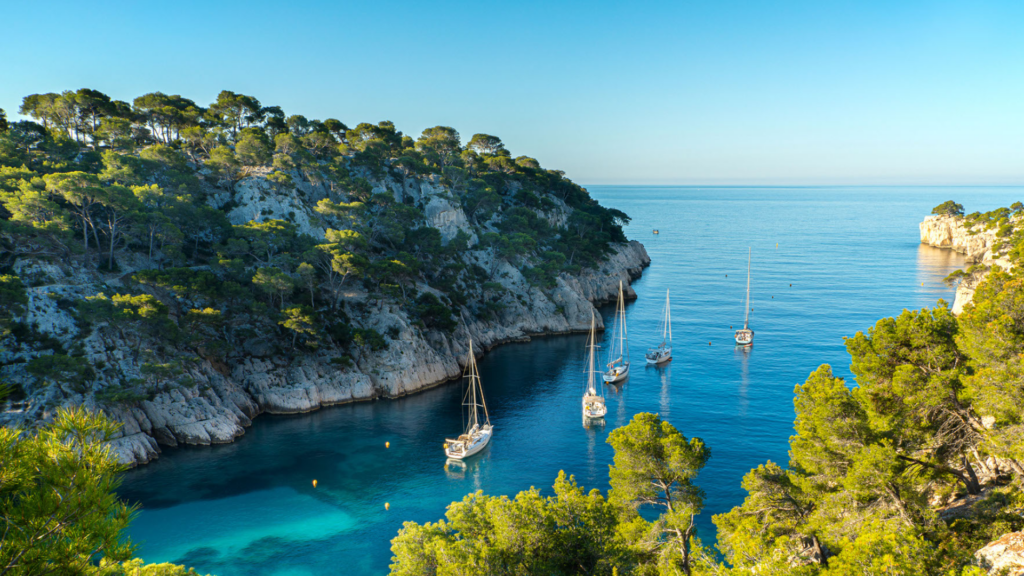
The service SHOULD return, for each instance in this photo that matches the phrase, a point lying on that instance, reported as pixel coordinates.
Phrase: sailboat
(745, 337)
(663, 353)
(618, 355)
(477, 435)
(593, 401)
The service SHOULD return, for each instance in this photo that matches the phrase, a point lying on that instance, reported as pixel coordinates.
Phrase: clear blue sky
(698, 92)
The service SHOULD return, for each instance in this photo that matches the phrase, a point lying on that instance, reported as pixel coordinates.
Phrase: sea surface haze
(826, 263)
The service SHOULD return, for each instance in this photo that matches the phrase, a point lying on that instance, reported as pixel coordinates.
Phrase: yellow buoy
(387, 444)
(445, 445)
(922, 283)
(314, 483)
(776, 245)
(387, 506)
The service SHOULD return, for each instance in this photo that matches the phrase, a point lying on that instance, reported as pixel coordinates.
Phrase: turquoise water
(852, 256)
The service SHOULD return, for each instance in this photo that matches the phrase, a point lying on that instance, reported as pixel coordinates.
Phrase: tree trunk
(973, 487)
(85, 240)
(113, 237)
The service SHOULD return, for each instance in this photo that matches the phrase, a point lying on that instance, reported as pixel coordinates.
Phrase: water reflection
(743, 352)
(933, 265)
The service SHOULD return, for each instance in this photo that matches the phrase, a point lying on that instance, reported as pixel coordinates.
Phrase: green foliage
(58, 501)
(435, 314)
(572, 532)
(370, 338)
(300, 321)
(949, 208)
(58, 368)
(575, 532)
(13, 298)
(273, 282)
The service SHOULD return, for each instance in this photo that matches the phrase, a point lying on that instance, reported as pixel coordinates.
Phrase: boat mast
(591, 389)
(474, 381)
(623, 342)
(746, 313)
(668, 321)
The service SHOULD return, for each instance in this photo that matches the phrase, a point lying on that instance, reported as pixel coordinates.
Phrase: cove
(852, 256)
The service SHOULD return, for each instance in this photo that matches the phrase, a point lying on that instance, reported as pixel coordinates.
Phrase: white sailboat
(593, 400)
(477, 434)
(618, 352)
(745, 337)
(663, 353)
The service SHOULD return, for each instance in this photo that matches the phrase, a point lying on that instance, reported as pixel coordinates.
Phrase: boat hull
(474, 448)
(617, 374)
(659, 357)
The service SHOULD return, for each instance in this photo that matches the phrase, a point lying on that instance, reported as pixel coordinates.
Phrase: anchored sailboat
(477, 435)
(745, 337)
(618, 351)
(593, 400)
(663, 353)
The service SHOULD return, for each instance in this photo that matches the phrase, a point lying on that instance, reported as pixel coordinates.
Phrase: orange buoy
(709, 343)
(387, 444)
(314, 483)
(387, 506)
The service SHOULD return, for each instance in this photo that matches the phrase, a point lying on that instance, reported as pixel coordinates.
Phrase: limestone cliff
(979, 244)
(257, 374)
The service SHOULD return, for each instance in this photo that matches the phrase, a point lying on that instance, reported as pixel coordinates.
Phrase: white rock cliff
(979, 245)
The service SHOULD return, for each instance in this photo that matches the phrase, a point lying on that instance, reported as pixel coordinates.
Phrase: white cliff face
(448, 217)
(1003, 556)
(260, 199)
(979, 245)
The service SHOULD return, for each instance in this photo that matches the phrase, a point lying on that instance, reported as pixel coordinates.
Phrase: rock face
(224, 393)
(224, 400)
(1004, 556)
(979, 245)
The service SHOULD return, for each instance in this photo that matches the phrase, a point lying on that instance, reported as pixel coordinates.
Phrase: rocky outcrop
(978, 244)
(260, 199)
(219, 396)
(1004, 556)
(223, 401)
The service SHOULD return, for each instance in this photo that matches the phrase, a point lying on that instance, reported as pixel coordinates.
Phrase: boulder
(1004, 556)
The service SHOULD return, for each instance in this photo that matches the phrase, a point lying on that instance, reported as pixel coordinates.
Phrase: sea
(826, 262)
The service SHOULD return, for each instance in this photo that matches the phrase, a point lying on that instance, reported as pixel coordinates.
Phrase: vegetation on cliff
(142, 196)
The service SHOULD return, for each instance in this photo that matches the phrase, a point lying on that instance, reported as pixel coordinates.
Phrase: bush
(434, 313)
(369, 337)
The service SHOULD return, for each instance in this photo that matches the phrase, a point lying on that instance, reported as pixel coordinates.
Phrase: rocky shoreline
(978, 244)
(226, 397)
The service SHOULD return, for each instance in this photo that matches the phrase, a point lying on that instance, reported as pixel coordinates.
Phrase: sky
(716, 92)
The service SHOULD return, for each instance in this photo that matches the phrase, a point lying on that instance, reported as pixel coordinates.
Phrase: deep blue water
(827, 262)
